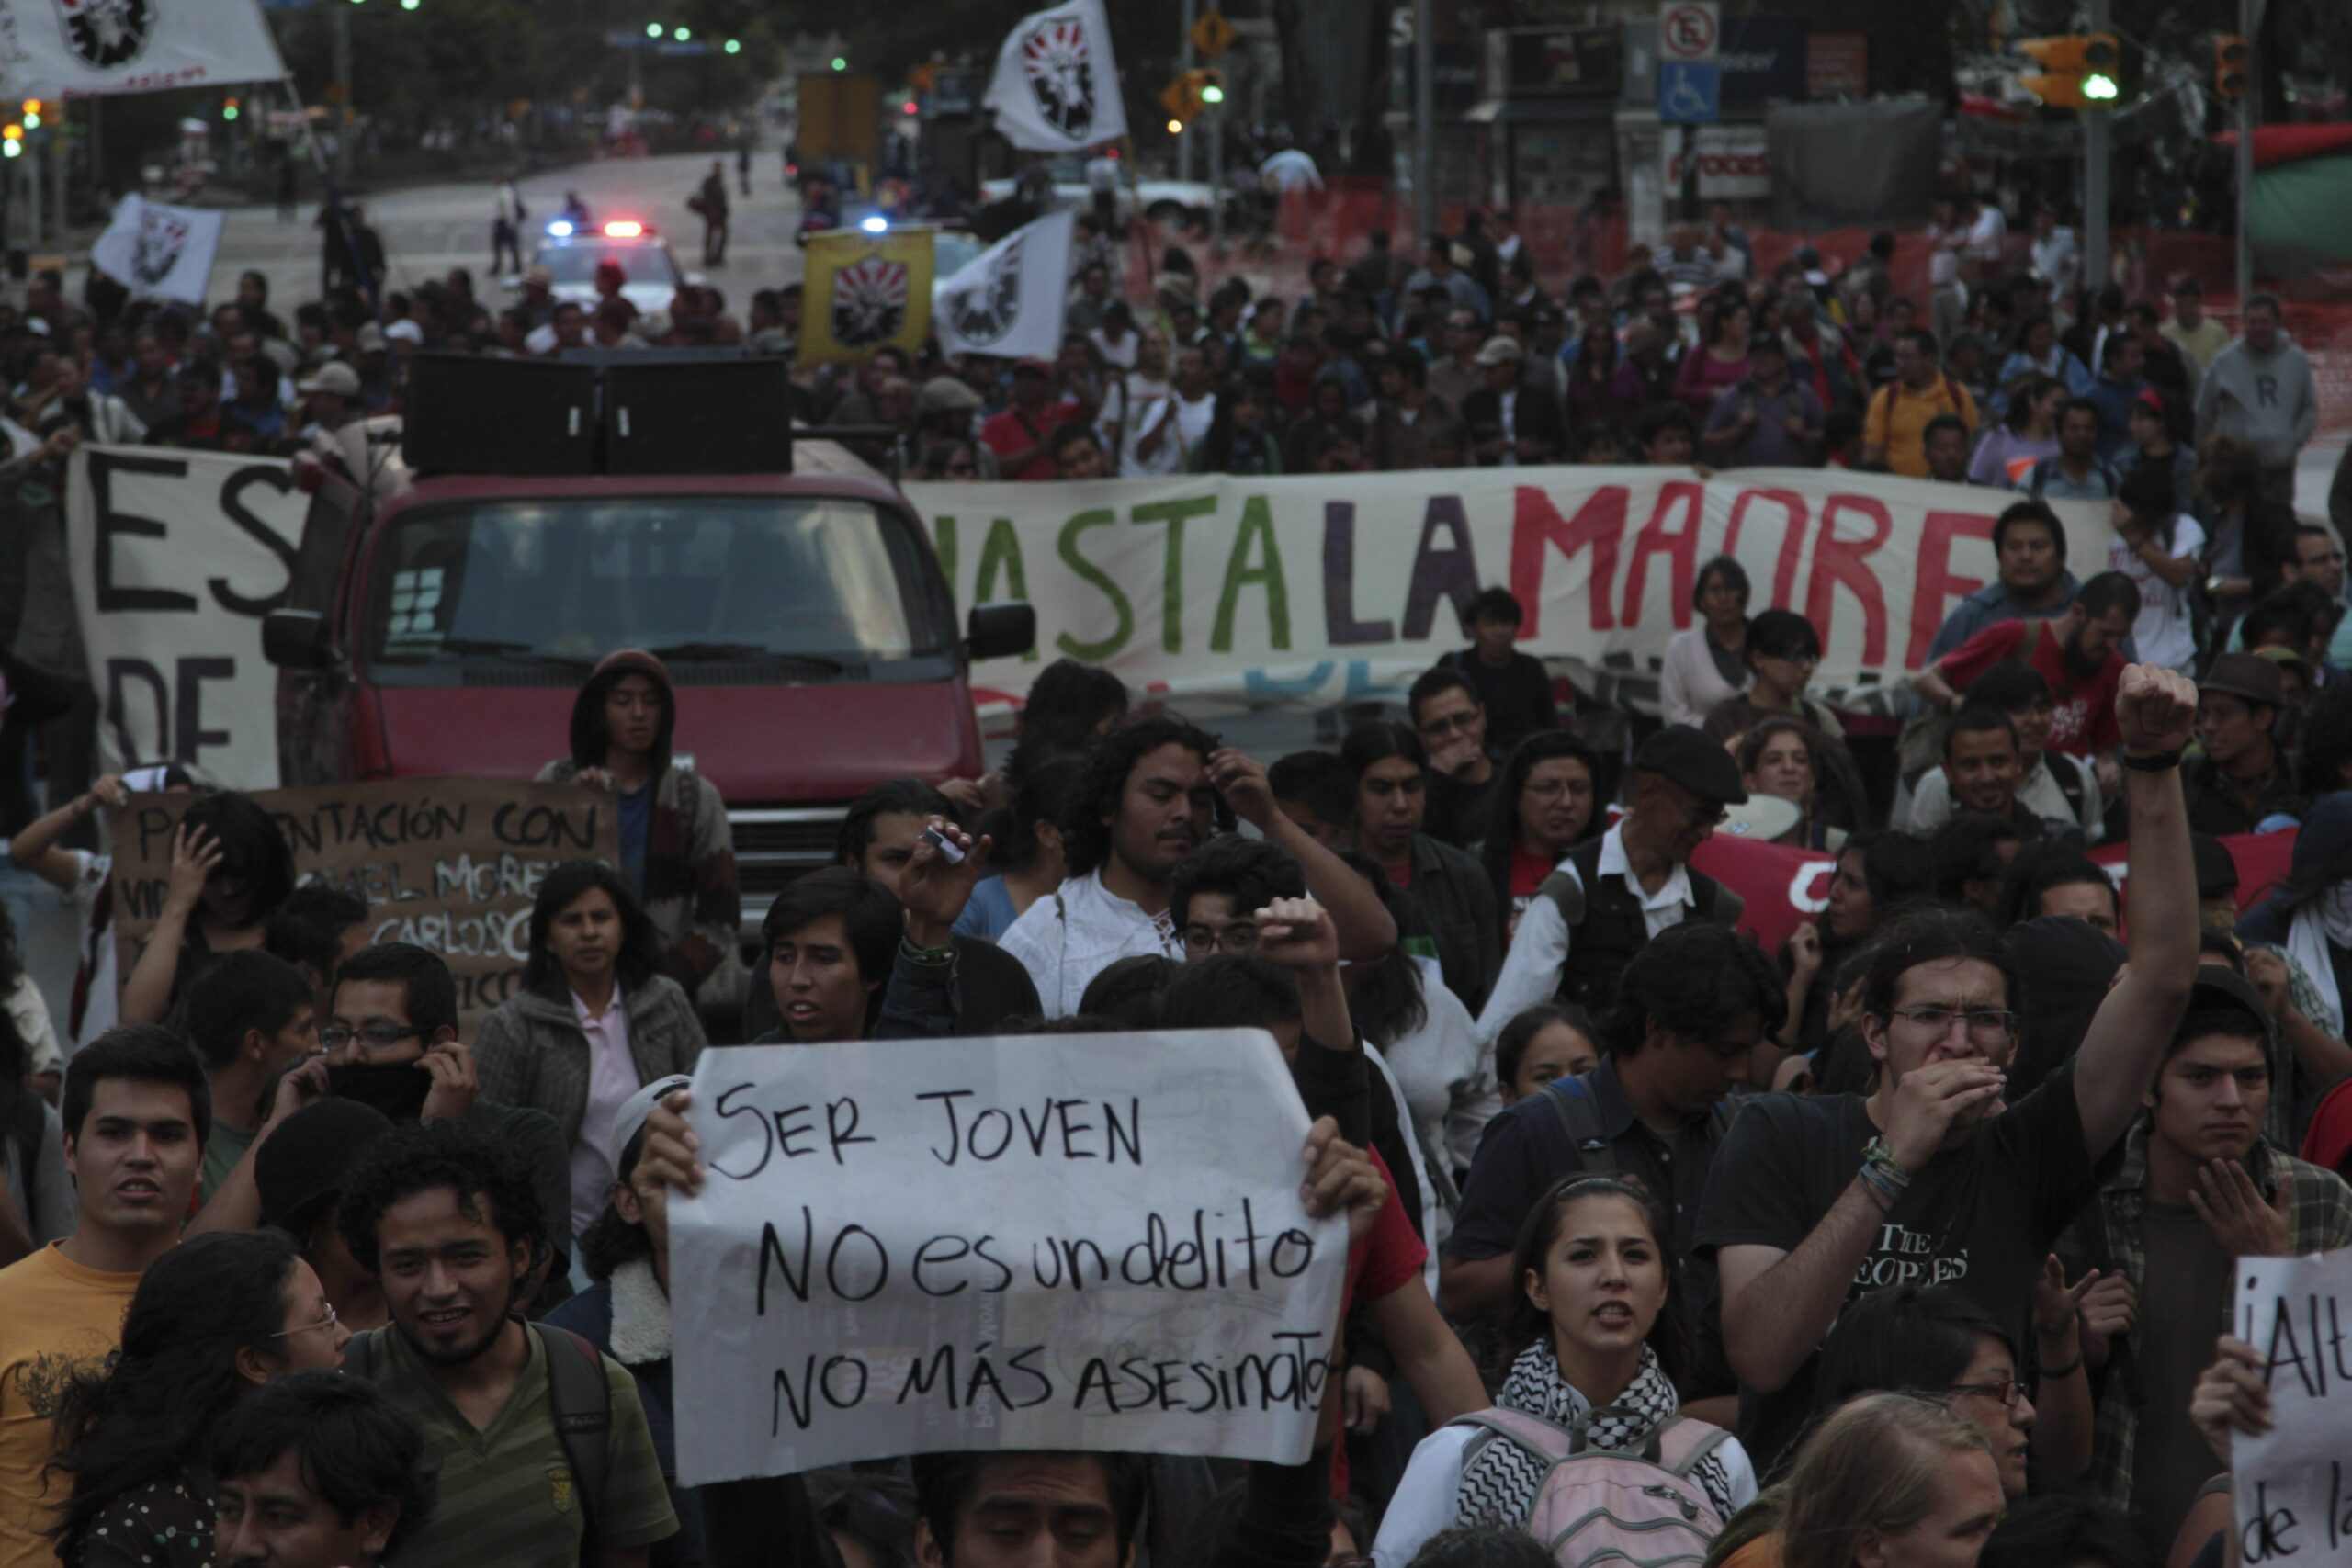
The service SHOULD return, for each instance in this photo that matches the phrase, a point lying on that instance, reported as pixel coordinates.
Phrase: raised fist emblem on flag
(107, 33)
(162, 239)
(987, 310)
(1061, 77)
(869, 303)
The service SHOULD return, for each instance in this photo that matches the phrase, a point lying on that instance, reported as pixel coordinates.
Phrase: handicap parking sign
(1689, 92)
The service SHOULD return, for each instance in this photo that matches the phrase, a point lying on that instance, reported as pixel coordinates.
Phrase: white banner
(1325, 589)
(2293, 1483)
(1056, 87)
(80, 48)
(1008, 299)
(1049, 1241)
(159, 252)
(176, 557)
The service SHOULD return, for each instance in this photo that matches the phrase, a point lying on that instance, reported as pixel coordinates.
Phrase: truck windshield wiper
(514, 653)
(718, 652)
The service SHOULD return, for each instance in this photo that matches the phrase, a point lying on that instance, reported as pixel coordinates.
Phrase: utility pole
(1217, 178)
(1184, 143)
(1425, 117)
(2249, 103)
(339, 22)
(2098, 142)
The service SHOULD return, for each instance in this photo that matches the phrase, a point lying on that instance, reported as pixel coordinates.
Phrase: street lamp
(652, 30)
(682, 34)
(734, 46)
(839, 63)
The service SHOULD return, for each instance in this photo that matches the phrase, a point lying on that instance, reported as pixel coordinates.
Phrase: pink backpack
(1639, 1506)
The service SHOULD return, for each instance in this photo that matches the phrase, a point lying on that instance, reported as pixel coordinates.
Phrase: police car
(572, 251)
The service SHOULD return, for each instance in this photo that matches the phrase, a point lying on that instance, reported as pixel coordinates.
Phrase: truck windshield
(813, 586)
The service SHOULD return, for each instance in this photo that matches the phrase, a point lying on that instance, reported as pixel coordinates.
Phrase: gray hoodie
(2267, 400)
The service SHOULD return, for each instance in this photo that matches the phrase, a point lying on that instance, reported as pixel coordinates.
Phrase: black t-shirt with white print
(1979, 1219)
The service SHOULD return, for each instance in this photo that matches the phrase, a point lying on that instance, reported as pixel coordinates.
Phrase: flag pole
(335, 197)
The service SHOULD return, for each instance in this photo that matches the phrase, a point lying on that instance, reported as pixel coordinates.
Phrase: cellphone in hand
(945, 845)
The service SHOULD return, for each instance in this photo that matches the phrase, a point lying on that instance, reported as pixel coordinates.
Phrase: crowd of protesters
(1909, 1244)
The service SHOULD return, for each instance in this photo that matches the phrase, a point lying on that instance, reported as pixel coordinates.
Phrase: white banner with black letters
(1052, 1242)
(176, 557)
(1056, 87)
(1008, 299)
(159, 252)
(80, 48)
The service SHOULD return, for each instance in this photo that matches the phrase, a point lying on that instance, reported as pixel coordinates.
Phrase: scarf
(1501, 1480)
(2322, 923)
(640, 1314)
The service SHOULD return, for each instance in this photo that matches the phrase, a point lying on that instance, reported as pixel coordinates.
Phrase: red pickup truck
(810, 633)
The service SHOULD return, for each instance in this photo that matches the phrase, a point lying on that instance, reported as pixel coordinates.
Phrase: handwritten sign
(2294, 1482)
(450, 864)
(1047, 1242)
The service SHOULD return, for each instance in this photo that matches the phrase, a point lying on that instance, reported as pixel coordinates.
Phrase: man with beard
(1155, 790)
(1614, 894)
(391, 1042)
(449, 1220)
(2082, 662)
(1932, 1178)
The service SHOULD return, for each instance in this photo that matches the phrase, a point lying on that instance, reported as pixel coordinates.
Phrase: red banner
(1783, 885)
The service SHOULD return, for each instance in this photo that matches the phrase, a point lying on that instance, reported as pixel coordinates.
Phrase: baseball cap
(405, 331)
(630, 1119)
(334, 377)
(1687, 757)
(1500, 351)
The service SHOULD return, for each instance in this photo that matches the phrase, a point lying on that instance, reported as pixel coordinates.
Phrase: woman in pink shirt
(1720, 363)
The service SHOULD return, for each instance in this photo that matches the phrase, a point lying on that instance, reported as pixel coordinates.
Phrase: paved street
(427, 230)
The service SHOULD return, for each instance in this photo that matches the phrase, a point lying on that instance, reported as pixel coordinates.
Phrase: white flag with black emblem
(1056, 88)
(158, 252)
(79, 49)
(1008, 299)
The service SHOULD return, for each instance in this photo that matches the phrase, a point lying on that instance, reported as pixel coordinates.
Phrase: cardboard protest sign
(176, 557)
(1049, 1241)
(2293, 1483)
(450, 864)
(1340, 588)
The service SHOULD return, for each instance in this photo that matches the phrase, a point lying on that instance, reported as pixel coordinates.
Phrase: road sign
(1212, 35)
(1689, 92)
(1690, 30)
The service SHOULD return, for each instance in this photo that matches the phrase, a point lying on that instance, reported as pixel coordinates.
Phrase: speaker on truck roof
(465, 415)
(698, 416)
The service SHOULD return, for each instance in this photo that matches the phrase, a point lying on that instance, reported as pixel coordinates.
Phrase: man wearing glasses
(1615, 892)
(1464, 769)
(1932, 1179)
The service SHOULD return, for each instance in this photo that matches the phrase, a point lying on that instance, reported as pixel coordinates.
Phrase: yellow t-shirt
(56, 1317)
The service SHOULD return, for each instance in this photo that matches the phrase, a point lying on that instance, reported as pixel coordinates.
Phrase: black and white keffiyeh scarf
(1501, 1480)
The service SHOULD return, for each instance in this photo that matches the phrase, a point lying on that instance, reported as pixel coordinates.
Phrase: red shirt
(1400, 876)
(1528, 870)
(2082, 713)
(1009, 431)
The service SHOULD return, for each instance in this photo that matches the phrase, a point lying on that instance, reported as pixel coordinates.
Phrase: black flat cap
(1700, 765)
(2216, 987)
(299, 1172)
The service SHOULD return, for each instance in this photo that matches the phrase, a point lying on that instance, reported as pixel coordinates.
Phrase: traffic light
(2077, 69)
(2101, 62)
(2230, 62)
(229, 108)
(32, 114)
(1211, 84)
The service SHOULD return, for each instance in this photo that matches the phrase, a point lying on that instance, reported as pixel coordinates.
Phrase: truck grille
(775, 845)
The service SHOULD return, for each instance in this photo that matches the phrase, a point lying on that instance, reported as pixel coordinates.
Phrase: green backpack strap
(581, 1403)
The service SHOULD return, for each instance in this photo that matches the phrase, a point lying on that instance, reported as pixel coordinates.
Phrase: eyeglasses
(1232, 939)
(2009, 1393)
(326, 1323)
(375, 1037)
(1983, 1024)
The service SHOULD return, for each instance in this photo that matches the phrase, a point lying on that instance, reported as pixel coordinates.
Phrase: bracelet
(939, 955)
(1878, 1154)
(1877, 1186)
(2162, 761)
(2069, 1370)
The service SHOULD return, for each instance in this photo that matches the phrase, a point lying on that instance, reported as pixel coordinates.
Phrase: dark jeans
(714, 241)
(505, 243)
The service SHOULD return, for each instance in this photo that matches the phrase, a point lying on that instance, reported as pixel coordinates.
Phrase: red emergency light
(624, 228)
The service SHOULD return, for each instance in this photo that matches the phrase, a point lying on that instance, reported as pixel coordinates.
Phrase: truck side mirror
(296, 639)
(999, 631)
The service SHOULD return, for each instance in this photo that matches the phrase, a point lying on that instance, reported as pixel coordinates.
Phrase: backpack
(1639, 1506)
(1580, 1119)
(578, 1397)
(1920, 748)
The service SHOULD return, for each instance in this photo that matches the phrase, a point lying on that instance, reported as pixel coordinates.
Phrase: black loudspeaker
(471, 416)
(699, 416)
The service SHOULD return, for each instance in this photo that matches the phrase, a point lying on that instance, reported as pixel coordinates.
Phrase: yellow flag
(863, 290)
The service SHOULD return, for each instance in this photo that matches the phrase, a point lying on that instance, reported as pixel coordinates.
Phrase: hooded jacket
(690, 889)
